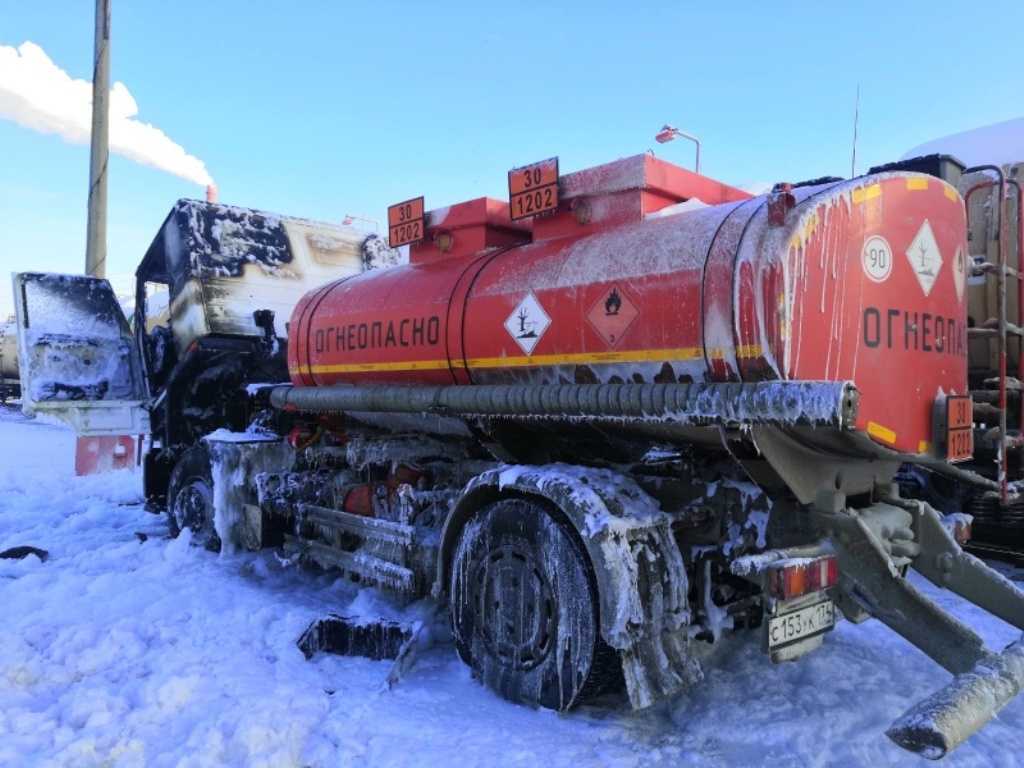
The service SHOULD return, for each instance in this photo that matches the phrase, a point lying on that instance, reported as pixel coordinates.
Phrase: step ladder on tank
(999, 399)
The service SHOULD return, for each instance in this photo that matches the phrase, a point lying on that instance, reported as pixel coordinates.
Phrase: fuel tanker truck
(603, 425)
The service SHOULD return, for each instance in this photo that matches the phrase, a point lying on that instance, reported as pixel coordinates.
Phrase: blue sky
(320, 109)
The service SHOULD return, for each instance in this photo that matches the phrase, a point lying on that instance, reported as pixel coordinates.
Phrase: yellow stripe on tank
(863, 194)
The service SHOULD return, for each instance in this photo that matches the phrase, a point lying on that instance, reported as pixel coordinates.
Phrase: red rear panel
(873, 285)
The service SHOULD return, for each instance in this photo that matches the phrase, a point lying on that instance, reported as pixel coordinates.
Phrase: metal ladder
(1000, 327)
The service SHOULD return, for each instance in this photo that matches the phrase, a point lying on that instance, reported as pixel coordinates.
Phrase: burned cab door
(77, 359)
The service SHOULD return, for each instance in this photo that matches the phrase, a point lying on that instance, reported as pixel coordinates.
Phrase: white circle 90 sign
(876, 257)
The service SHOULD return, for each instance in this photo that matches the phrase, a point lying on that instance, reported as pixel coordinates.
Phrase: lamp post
(669, 133)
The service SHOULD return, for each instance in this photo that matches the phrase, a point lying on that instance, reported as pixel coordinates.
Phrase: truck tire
(190, 498)
(524, 607)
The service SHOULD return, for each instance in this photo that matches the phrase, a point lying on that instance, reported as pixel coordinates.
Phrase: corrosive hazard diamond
(612, 314)
(925, 258)
(527, 323)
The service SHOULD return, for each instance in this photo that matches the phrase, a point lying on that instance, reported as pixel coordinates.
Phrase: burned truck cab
(213, 296)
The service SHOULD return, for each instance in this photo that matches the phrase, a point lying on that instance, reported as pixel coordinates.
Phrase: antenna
(856, 116)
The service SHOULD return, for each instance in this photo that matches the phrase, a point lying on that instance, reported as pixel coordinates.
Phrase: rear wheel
(190, 498)
(524, 606)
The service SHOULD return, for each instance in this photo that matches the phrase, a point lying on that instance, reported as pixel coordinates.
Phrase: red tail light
(801, 577)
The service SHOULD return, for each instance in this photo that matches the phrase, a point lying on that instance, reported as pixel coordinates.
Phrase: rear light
(801, 577)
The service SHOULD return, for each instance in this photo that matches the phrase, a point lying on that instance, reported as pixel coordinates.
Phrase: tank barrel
(806, 403)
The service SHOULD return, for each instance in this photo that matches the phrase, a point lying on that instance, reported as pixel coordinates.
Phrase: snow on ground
(118, 652)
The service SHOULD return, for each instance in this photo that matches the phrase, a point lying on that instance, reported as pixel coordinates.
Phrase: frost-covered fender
(641, 579)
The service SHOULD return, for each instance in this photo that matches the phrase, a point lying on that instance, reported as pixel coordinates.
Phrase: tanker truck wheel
(524, 607)
(190, 498)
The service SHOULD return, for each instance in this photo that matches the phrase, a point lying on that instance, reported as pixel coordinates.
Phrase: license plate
(798, 625)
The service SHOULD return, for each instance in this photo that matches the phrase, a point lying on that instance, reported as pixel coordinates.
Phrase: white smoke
(36, 93)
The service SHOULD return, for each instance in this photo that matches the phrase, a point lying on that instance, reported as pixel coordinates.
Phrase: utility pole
(96, 231)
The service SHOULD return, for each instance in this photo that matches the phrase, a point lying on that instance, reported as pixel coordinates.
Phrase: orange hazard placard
(959, 428)
(533, 189)
(405, 222)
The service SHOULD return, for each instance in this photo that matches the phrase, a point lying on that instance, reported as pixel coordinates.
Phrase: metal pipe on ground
(802, 403)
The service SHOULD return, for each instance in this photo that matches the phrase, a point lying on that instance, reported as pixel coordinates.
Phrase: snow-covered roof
(998, 143)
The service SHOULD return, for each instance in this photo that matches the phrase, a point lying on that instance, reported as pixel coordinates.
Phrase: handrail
(1001, 305)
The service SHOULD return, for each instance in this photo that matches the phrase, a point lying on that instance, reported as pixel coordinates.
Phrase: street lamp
(668, 133)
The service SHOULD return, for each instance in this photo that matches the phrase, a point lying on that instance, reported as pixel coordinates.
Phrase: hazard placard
(959, 428)
(405, 222)
(527, 323)
(533, 189)
(612, 314)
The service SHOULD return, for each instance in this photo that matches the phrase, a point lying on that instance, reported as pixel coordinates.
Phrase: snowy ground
(125, 652)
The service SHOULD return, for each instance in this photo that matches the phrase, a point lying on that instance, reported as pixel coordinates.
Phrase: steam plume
(36, 93)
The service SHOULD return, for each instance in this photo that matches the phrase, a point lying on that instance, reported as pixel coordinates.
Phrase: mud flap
(95, 455)
(375, 640)
(874, 545)
(237, 459)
